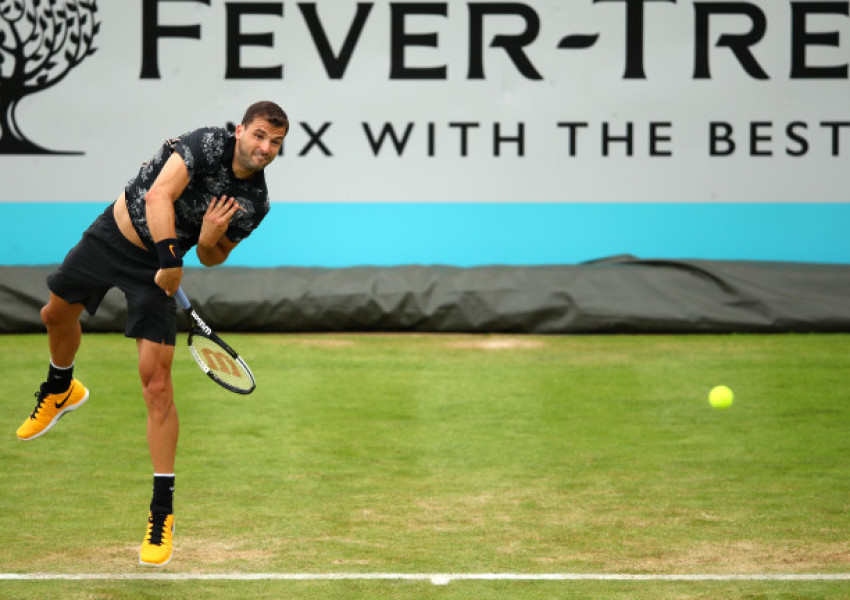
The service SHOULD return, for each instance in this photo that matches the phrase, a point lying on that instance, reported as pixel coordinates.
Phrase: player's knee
(157, 388)
(53, 318)
(46, 316)
(155, 384)
(57, 313)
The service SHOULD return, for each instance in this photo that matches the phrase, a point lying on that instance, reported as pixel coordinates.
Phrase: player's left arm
(213, 244)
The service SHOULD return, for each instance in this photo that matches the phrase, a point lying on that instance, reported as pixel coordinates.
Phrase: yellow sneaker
(50, 408)
(159, 540)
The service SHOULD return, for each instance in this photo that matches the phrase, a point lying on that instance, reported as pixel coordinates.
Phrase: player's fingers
(233, 208)
(227, 207)
(217, 204)
(167, 281)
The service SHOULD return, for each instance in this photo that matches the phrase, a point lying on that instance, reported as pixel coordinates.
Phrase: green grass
(444, 453)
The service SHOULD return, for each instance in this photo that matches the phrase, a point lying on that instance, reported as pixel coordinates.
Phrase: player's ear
(240, 129)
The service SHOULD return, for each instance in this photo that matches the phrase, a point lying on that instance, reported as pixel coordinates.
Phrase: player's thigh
(151, 315)
(83, 279)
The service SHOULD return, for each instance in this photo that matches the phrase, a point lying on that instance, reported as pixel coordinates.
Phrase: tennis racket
(218, 360)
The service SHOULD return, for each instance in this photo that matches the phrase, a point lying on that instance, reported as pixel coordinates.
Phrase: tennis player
(205, 188)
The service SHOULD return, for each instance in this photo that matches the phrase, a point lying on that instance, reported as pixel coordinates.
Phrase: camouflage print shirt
(208, 155)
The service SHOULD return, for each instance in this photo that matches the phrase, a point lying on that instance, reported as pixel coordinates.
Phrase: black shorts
(104, 259)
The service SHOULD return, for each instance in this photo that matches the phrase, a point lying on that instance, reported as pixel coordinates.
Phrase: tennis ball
(721, 397)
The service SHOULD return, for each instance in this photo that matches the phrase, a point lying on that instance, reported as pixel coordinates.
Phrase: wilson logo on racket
(221, 362)
(215, 358)
(200, 323)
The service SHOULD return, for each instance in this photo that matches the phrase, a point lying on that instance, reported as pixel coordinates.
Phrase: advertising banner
(601, 102)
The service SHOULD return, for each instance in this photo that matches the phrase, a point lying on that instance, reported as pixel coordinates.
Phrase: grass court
(444, 454)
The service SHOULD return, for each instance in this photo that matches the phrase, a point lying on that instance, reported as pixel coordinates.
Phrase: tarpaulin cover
(617, 295)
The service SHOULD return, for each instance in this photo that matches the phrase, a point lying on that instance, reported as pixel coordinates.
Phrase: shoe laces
(157, 528)
(40, 395)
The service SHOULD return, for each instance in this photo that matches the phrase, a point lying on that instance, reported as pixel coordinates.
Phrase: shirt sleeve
(201, 150)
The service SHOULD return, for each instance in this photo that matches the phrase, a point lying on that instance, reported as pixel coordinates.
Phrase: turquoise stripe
(350, 234)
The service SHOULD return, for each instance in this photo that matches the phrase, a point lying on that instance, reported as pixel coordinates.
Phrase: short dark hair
(267, 110)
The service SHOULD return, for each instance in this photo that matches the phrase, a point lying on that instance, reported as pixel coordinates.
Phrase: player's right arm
(159, 209)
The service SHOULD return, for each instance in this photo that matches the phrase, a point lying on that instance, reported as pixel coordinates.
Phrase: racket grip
(182, 300)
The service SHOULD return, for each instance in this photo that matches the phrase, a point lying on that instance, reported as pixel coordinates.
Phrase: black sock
(163, 494)
(59, 378)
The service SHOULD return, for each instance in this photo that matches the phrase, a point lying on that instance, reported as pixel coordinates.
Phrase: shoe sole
(150, 564)
(56, 418)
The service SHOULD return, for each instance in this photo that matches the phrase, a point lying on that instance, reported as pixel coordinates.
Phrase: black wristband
(168, 253)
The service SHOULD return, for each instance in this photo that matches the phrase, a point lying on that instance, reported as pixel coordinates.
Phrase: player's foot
(49, 408)
(158, 545)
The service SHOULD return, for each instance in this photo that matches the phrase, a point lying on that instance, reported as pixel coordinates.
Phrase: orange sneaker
(50, 408)
(159, 540)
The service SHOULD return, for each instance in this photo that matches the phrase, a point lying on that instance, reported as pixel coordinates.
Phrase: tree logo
(41, 41)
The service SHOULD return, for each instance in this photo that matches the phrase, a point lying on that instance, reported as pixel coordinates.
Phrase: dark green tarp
(617, 295)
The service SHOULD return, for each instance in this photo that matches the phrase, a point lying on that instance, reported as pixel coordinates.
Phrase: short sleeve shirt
(208, 155)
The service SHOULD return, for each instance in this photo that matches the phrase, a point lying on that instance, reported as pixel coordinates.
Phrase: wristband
(168, 253)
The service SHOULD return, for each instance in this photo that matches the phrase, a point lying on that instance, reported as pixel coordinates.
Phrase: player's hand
(169, 279)
(217, 219)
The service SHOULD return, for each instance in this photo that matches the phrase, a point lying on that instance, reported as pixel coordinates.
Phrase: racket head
(220, 362)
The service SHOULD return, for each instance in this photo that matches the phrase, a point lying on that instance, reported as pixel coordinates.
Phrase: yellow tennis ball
(721, 397)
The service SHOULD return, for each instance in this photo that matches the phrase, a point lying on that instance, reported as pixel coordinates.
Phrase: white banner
(536, 101)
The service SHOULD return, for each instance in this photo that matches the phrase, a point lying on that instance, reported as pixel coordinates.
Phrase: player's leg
(152, 322)
(162, 428)
(60, 393)
(81, 281)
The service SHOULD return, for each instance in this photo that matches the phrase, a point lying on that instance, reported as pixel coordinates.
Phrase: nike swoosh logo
(65, 399)
(171, 247)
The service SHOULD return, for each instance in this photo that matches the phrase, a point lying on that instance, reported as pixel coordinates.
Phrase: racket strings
(221, 364)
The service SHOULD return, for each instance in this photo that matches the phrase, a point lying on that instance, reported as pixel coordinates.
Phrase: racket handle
(182, 300)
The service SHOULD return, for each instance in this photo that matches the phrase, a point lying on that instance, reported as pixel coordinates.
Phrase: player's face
(256, 146)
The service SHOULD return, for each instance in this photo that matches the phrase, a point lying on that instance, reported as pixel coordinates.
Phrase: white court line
(434, 578)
